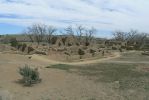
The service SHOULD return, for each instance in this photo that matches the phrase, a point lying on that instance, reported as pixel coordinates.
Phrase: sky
(105, 15)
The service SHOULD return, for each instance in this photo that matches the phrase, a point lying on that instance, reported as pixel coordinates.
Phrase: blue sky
(105, 15)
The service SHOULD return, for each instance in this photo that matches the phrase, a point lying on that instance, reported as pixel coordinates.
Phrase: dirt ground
(56, 84)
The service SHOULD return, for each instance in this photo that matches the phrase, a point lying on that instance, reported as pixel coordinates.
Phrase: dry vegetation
(73, 66)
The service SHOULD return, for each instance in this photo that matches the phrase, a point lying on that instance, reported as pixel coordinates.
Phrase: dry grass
(101, 81)
(133, 56)
(129, 80)
(126, 74)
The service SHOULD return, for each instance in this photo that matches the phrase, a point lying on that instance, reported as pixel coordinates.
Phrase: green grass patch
(126, 74)
(61, 67)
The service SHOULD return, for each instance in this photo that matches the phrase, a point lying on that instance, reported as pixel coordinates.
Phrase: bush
(30, 76)
(23, 47)
(120, 49)
(41, 52)
(87, 44)
(123, 47)
(66, 53)
(92, 52)
(81, 52)
(13, 42)
(102, 46)
(130, 48)
(30, 49)
(84, 47)
(114, 48)
(19, 46)
(69, 44)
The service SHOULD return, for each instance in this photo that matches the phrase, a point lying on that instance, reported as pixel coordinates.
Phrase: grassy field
(125, 77)
(133, 56)
(128, 75)
(122, 77)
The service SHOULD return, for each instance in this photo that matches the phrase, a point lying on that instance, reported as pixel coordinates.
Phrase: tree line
(43, 33)
(133, 36)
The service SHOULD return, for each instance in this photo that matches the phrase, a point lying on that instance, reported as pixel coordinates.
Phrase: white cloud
(102, 14)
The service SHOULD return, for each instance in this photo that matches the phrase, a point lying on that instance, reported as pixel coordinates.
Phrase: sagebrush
(29, 75)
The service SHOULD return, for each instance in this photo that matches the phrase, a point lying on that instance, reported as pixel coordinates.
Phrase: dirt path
(46, 60)
(85, 61)
(56, 84)
(42, 61)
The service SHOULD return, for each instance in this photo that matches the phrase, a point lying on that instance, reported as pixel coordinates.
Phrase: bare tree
(70, 31)
(80, 30)
(130, 36)
(125, 36)
(89, 35)
(36, 32)
(29, 34)
(50, 32)
(140, 39)
(119, 35)
(40, 31)
(133, 37)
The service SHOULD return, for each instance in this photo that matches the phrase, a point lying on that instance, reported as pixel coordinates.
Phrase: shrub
(120, 49)
(102, 46)
(92, 52)
(69, 44)
(13, 42)
(30, 49)
(19, 46)
(41, 52)
(23, 47)
(30, 75)
(66, 53)
(77, 44)
(64, 40)
(123, 47)
(99, 50)
(84, 47)
(59, 44)
(87, 44)
(130, 48)
(103, 53)
(114, 48)
(81, 52)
